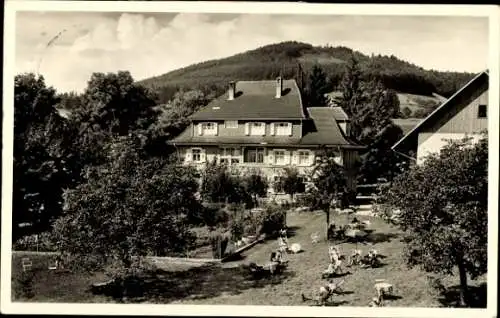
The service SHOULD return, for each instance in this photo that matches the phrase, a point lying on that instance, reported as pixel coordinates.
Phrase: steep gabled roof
(445, 107)
(255, 100)
(326, 130)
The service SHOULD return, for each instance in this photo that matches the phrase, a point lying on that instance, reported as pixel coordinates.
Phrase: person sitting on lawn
(324, 293)
(334, 253)
(376, 302)
(282, 245)
(354, 258)
(274, 262)
(371, 259)
(283, 233)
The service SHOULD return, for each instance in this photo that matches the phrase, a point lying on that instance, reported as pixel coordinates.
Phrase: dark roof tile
(255, 100)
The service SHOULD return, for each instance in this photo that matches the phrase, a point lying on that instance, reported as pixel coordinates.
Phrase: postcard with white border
(250, 159)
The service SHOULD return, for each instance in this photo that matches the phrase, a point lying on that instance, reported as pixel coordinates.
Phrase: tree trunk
(463, 283)
(327, 211)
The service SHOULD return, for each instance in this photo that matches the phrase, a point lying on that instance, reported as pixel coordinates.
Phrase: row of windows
(254, 155)
(252, 129)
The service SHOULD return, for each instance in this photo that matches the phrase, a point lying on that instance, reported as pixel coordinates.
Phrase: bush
(29, 243)
(215, 214)
(237, 229)
(272, 220)
(219, 242)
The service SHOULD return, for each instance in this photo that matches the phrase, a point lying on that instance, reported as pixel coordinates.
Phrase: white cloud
(149, 45)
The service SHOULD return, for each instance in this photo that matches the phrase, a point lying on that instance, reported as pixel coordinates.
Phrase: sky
(153, 44)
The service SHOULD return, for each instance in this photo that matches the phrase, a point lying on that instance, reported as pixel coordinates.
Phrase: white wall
(433, 142)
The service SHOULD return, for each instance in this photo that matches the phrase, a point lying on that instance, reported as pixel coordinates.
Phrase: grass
(230, 284)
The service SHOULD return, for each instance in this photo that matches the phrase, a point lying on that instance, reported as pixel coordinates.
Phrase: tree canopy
(129, 207)
(443, 209)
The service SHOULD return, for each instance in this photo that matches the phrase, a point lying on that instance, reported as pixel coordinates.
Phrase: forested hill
(268, 61)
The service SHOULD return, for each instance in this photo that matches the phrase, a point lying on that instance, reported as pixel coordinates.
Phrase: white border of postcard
(11, 7)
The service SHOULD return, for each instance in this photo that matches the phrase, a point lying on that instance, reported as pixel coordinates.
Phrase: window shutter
(264, 130)
(289, 126)
(247, 129)
(270, 156)
(295, 158)
(312, 158)
(203, 155)
(189, 156)
(216, 129)
(200, 129)
(273, 131)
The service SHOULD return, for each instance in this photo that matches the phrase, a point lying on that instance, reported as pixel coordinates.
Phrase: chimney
(232, 89)
(279, 87)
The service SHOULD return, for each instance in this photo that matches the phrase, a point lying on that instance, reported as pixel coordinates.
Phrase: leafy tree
(218, 185)
(352, 88)
(406, 112)
(443, 208)
(128, 208)
(379, 160)
(255, 185)
(173, 118)
(292, 182)
(115, 104)
(329, 184)
(317, 87)
(41, 169)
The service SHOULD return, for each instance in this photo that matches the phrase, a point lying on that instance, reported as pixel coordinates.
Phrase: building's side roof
(406, 124)
(333, 111)
(325, 130)
(255, 100)
(445, 107)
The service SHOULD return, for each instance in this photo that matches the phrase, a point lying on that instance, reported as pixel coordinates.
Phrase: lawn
(230, 284)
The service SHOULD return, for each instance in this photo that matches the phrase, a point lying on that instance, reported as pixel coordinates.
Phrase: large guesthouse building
(262, 127)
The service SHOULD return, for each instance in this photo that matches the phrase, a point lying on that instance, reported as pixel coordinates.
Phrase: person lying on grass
(324, 293)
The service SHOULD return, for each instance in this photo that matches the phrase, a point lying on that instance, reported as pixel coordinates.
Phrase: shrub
(219, 242)
(44, 241)
(272, 220)
(237, 229)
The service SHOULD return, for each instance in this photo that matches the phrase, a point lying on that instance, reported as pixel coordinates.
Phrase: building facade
(262, 127)
(463, 115)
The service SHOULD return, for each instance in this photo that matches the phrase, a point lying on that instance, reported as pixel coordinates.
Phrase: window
(279, 157)
(196, 155)
(231, 124)
(230, 155)
(258, 129)
(283, 129)
(304, 157)
(254, 155)
(209, 129)
(482, 111)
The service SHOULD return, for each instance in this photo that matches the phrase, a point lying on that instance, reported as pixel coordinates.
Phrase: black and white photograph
(250, 159)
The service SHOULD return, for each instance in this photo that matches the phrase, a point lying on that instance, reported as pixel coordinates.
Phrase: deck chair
(53, 265)
(27, 264)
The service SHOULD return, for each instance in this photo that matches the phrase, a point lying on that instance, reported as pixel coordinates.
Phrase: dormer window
(255, 129)
(207, 129)
(482, 111)
(281, 129)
